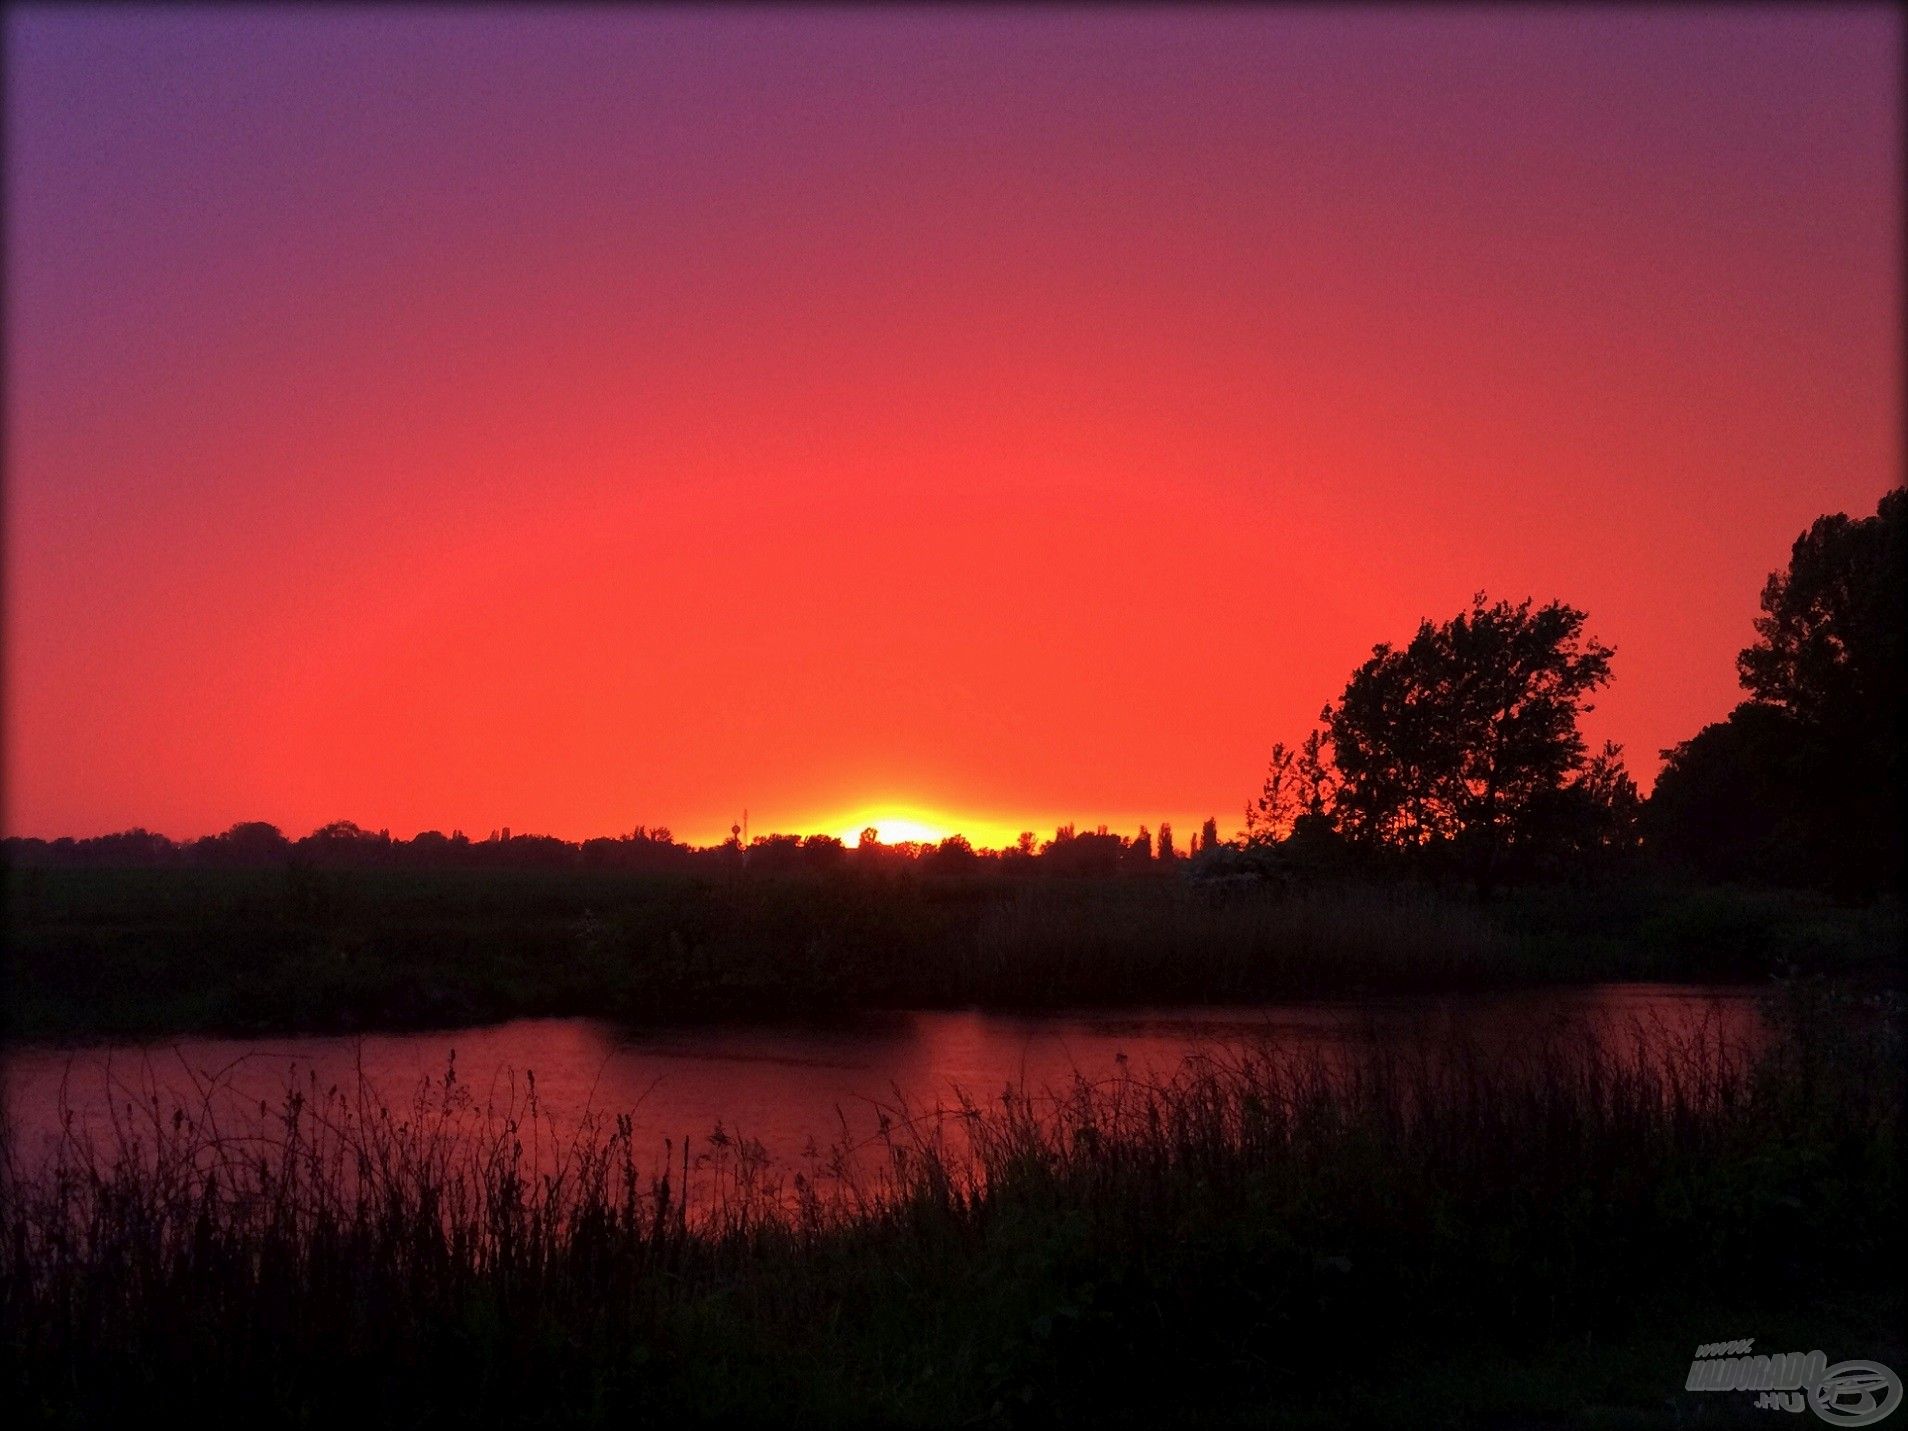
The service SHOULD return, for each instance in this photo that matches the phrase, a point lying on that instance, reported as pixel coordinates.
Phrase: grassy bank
(105, 952)
(1429, 1238)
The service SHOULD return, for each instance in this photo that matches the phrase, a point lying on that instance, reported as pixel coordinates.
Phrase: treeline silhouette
(1460, 755)
(344, 845)
(1456, 757)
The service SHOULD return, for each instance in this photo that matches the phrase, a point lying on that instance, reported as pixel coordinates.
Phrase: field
(106, 952)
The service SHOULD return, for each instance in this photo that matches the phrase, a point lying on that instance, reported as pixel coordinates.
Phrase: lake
(793, 1092)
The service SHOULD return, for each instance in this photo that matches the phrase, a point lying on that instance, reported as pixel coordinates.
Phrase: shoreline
(110, 955)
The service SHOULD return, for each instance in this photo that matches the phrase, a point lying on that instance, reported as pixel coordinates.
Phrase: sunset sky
(570, 419)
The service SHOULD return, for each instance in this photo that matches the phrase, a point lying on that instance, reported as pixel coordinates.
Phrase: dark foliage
(1802, 784)
(1459, 746)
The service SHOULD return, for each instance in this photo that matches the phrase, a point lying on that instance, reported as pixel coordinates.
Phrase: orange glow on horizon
(900, 823)
(896, 829)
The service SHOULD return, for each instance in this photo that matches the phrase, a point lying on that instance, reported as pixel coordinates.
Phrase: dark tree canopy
(1727, 803)
(1803, 783)
(1831, 645)
(1458, 740)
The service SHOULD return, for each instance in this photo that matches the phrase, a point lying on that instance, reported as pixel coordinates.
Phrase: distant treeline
(1456, 757)
(342, 844)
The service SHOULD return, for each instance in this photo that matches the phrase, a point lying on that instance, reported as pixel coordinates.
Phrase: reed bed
(100, 952)
(1248, 1223)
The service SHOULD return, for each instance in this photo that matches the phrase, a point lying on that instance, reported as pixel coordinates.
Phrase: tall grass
(1240, 1236)
(1179, 940)
(102, 952)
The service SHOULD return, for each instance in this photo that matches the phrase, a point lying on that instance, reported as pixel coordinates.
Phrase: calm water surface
(796, 1088)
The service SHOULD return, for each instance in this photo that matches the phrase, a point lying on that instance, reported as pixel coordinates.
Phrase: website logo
(1848, 1393)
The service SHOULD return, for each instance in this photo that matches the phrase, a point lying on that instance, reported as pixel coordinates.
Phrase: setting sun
(893, 827)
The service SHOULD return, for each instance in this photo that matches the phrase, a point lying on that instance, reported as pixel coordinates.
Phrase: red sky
(566, 420)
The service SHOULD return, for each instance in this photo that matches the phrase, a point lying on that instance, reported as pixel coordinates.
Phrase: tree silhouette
(1830, 648)
(1281, 800)
(250, 843)
(1592, 825)
(1316, 783)
(1803, 783)
(1728, 802)
(1455, 742)
(1139, 854)
(953, 855)
(1612, 805)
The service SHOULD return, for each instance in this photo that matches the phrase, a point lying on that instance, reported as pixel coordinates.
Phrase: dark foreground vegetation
(1432, 1236)
(122, 952)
